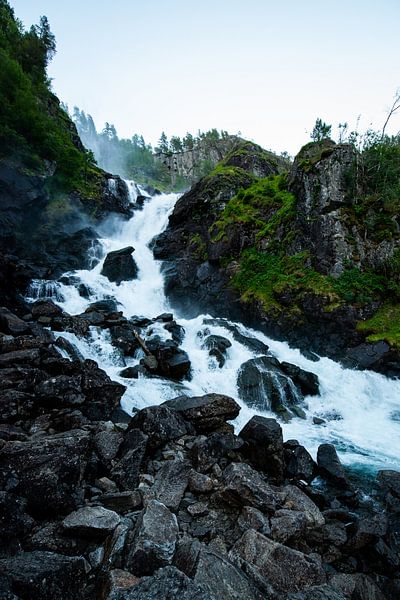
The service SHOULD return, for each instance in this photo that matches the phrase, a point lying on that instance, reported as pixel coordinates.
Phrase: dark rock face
(243, 485)
(119, 265)
(207, 412)
(264, 385)
(330, 465)
(264, 445)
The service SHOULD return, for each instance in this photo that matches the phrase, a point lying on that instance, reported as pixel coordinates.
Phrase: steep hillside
(311, 254)
(51, 190)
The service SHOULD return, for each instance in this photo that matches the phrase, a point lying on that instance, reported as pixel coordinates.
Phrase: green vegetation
(33, 127)
(384, 325)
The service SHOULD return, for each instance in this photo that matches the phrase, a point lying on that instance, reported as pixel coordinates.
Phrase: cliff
(310, 254)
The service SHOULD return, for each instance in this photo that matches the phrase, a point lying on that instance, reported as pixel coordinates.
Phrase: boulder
(214, 449)
(217, 346)
(154, 539)
(300, 465)
(172, 362)
(206, 413)
(264, 445)
(330, 466)
(119, 265)
(127, 468)
(61, 391)
(317, 592)
(160, 423)
(45, 575)
(307, 382)
(263, 385)
(122, 502)
(11, 324)
(123, 337)
(287, 570)
(166, 584)
(45, 308)
(177, 331)
(92, 522)
(46, 470)
(294, 499)
(390, 481)
(242, 485)
(16, 405)
(108, 305)
(171, 482)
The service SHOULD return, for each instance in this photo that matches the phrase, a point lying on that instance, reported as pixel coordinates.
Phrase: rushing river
(361, 408)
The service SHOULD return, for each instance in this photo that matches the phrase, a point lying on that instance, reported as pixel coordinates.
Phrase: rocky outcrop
(120, 266)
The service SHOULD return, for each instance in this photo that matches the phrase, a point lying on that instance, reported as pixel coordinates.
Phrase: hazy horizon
(267, 71)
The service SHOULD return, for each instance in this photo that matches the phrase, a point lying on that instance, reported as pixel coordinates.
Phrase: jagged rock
(366, 531)
(356, 586)
(208, 412)
(300, 465)
(122, 501)
(330, 466)
(208, 452)
(177, 331)
(286, 524)
(60, 392)
(154, 540)
(14, 521)
(160, 423)
(107, 444)
(15, 405)
(319, 592)
(252, 518)
(119, 583)
(21, 357)
(126, 470)
(119, 265)
(285, 569)
(11, 324)
(390, 480)
(122, 337)
(91, 521)
(264, 445)
(295, 499)
(69, 348)
(102, 394)
(171, 482)
(199, 483)
(167, 583)
(46, 471)
(107, 306)
(243, 485)
(45, 575)
(172, 362)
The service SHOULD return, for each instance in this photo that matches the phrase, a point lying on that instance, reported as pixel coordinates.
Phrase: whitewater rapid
(361, 408)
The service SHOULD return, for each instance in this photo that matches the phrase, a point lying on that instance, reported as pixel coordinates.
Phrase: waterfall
(360, 408)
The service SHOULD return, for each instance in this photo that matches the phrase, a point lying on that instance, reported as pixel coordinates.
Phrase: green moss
(358, 286)
(199, 247)
(384, 325)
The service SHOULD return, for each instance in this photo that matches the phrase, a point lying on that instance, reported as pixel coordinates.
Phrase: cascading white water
(361, 409)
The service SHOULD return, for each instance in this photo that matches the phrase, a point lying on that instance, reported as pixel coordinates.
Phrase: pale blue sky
(262, 67)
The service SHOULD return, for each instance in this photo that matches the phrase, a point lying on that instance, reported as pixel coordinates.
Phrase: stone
(389, 480)
(166, 584)
(300, 465)
(287, 524)
(45, 308)
(119, 582)
(122, 502)
(107, 444)
(198, 509)
(206, 413)
(243, 485)
(45, 575)
(318, 592)
(307, 382)
(119, 265)
(108, 306)
(61, 391)
(330, 466)
(15, 523)
(199, 483)
(264, 445)
(91, 521)
(46, 470)
(287, 570)
(206, 452)
(15, 405)
(123, 337)
(252, 518)
(126, 470)
(11, 324)
(217, 346)
(294, 499)
(154, 540)
(171, 482)
(160, 423)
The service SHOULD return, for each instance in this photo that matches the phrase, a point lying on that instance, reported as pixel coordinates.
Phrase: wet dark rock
(126, 470)
(69, 348)
(160, 423)
(177, 331)
(107, 444)
(319, 592)
(200, 483)
(46, 471)
(294, 499)
(264, 445)
(133, 372)
(249, 342)
(300, 465)
(366, 531)
(206, 413)
(11, 324)
(45, 308)
(77, 325)
(60, 392)
(15, 523)
(119, 265)
(287, 570)
(102, 394)
(263, 385)
(217, 346)
(252, 518)
(286, 524)
(107, 306)
(165, 318)
(31, 356)
(118, 583)
(15, 405)
(171, 482)
(390, 481)
(154, 540)
(306, 381)
(91, 521)
(330, 466)
(243, 485)
(123, 338)
(172, 362)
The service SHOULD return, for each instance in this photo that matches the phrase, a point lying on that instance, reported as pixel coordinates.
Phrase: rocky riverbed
(171, 502)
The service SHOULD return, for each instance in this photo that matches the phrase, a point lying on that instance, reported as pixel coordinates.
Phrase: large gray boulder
(206, 413)
(91, 521)
(119, 265)
(264, 445)
(242, 485)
